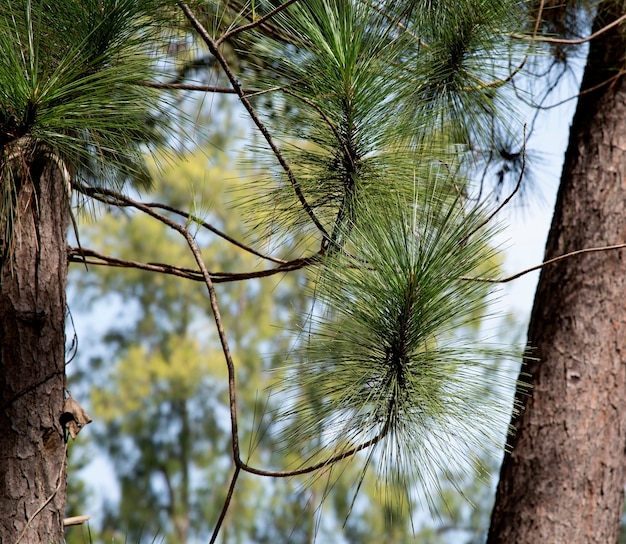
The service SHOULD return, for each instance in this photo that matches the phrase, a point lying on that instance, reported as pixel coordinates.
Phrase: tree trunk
(32, 361)
(563, 479)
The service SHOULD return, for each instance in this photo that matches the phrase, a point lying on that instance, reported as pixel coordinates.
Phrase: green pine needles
(69, 83)
(70, 93)
(387, 362)
(381, 104)
(369, 113)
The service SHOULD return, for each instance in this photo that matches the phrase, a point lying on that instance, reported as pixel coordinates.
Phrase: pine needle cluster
(388, 361)
(379, 105)
(70, 74)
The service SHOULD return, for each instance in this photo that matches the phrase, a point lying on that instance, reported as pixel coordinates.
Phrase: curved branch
(111, 197)
(214, 230)
(75, 255)
(259, 22)
(312, 468)
(211, 44)
(230, 365)
(106, 195)
(539, 106)
(545, 263)
(564, 41)
(515, 190)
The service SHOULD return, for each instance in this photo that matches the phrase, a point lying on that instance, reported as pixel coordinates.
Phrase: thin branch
(312, 468)
(517, 185)
(250, 93)
(206, 275)
(208, 281)
(254, 24)
(564, 41)
(214, 230)
(229, 496)
(508, 198)
(538, 18)
(211, 44)
(539, 106)
(119, 200)
(545, 263)
(100, 259)
(189, 87)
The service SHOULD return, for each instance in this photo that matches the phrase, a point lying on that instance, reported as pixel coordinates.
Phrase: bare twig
(213, 48)
(259, 22)
(189, 87)
(545, 263)
(90, 256)
(231, 373)
(229, 496)
(250, 93)
(214, 230)
(571, 42)
(208, 281)
(312, 468)
(109, 196)
(93, 257)
(608, 81)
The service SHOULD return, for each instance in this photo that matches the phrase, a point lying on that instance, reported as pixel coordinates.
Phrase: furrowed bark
(33, 279)
(563, 480)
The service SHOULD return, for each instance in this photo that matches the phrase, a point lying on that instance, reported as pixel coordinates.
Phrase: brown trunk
(563, 480)
(32, 364)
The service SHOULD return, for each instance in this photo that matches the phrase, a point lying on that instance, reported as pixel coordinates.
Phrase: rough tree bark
(563, 479)
(32, 361)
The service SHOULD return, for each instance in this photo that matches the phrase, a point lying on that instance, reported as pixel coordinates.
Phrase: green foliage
(385, 361)
(69, 93)
(70, 73)
(378, 96)
(372, 113)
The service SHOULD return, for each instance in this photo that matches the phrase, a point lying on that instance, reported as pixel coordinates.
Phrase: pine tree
(563, 479)
(70, 111)
(369, 119)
